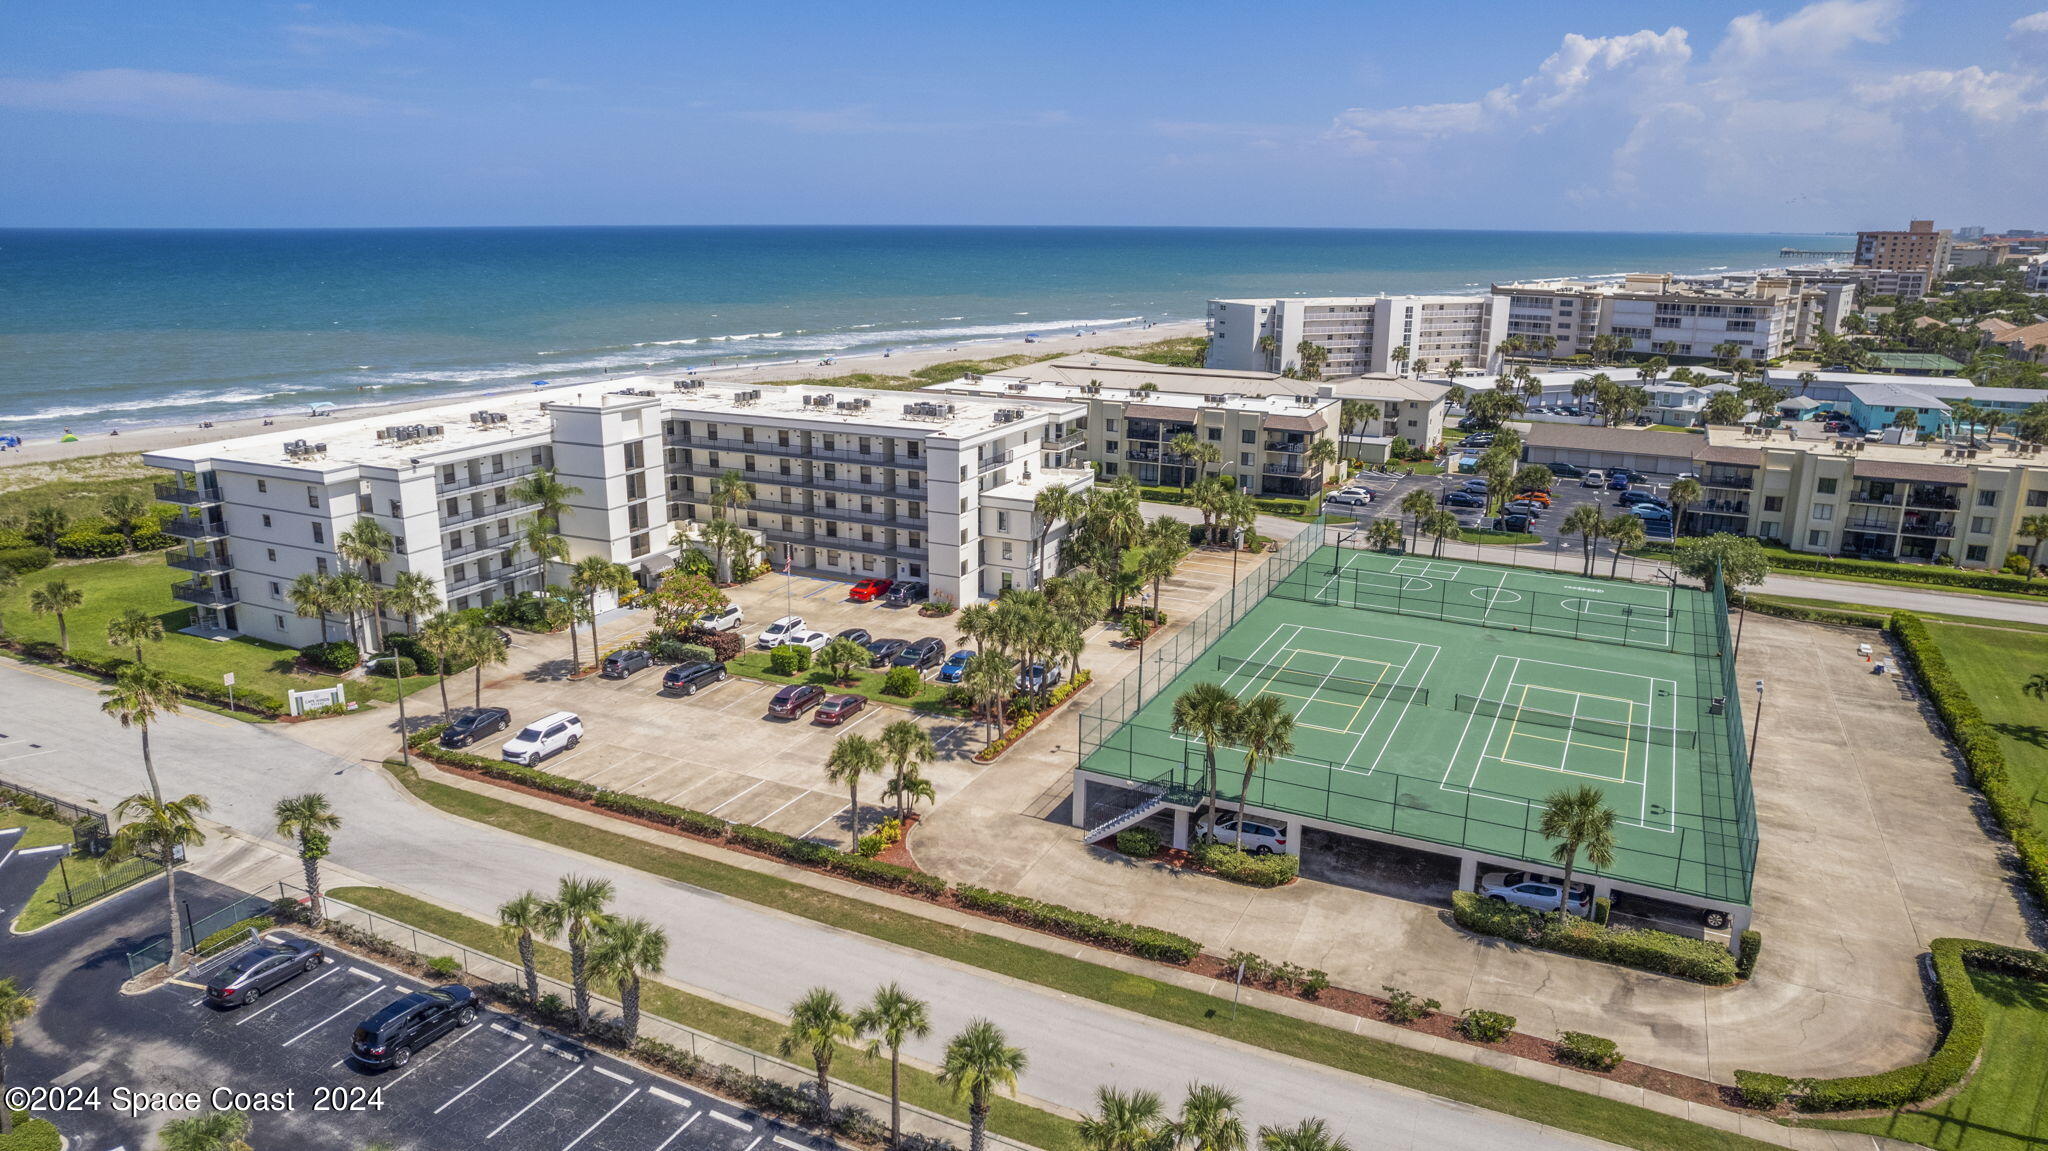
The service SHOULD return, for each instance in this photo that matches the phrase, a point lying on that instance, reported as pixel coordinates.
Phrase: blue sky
(1835, 115)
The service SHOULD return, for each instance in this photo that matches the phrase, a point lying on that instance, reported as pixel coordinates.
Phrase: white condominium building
(1655, 312)
(851, 483)
(1360, 333)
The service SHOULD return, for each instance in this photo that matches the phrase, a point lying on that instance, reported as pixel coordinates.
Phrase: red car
(838, 709)
(869, 590)
(794, 700)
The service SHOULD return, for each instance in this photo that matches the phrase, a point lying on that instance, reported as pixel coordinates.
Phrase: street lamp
(1757, 727)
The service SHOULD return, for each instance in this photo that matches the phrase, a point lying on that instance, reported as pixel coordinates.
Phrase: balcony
(989, 463)
(876, 455)
(1291, 447)
(196, 529)
(821, 512)
(1071, 440)
(1144, 455)
(1934, 528)
(492, 578)
(1287, 469)
(501, 544)
(464, 481)
(202, 563)
(1938, 498)
(1728, 480)
(897, 549)
(188, 497)
(485, 512)
(205, 595)
(1872, 526)
(1885, 499)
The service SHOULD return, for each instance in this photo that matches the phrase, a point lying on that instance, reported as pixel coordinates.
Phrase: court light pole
(1757, 727)
(1741, 617)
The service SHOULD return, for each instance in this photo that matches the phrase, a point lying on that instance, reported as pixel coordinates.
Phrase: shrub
(335, 655)
(2017, 564)
(669, 649)
(25, 559)
(1404, 1006)
(1242, 867)
(902, 681)
(1250, 965)
(870, 846)
(236, 930)
(1139, 940)
(1658, 951)
(78, 545)
(1141, 842)
(550, 1005)
(444, 967)
(1764, 605)
(1588, 1051)
(1315, 982)
(789, 659)
(1486, 1026)
(1745, 962)
(1906, 573)
(1763, 1090)
(154, 541)
(410, 647)
(31, 1133)
(406, 667)
(1603, 910)
(725, 646)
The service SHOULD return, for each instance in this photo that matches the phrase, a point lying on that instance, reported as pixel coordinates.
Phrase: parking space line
(722, 1117)
(678, 1131)
(756, 1142)
(508, 1031)
(678, 1100)
(436, 1055)
(329, 1019)
(791, 1145)
(262, 1007)
(369, 975)
(526, 1047)
(42, 850)
(826, 820)
(763, 821)
(600, 1119)
(610, 1074)
(756, 783)
(532, 1102)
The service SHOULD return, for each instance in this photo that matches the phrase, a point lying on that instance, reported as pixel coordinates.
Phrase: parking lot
(1566, 494)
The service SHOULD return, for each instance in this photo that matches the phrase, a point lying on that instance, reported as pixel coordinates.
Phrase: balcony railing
(463, 481)
(1871, 526)
(991, 462)
(1739, 482)
(1891, 500)
(204, 563)
(1073, 439)
(1292, 447)
(821, 512)
(195, 528)
(470, 549)
(843, 543)
(189, 497)
(203, 595)
(1925, 528)
(1288, 469)
(487, 512)
(1938, 500)
(876, 455)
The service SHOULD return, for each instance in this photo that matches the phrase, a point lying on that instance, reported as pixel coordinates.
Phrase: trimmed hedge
(25, 559)
(1752, 947)
(871, 871)
(91, 545)
(1979, 745)
(1907, 573)
(1139, 842)
(1144, 942)
(1482, 1026)
(338, 655)
(1764, 605)
(1277, 507)
(1764, 1090)
(257, 923)
(1658, 951)
(1242, 867)
(1588, 1051)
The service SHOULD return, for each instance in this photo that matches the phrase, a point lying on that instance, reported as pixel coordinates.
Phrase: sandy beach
(97, 443)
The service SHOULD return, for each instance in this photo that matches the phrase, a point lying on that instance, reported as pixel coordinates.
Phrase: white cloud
(1993, 97)
(1818, 30)
(2031, 25)
(151, 95)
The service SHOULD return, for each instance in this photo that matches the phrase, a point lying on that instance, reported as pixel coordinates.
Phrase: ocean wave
(178, 400)
(664, 343)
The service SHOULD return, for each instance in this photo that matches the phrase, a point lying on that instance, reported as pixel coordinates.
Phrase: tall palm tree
(133, 628)
(354, 595)
(312, 594)
(367, 544)
(1440, 525)
(442, 634)
(907, 746)
(725, 538)
(412, 595)
(138, 696)
(1580, 820)
(212, 1131)
(1356, 416)
(576, 912)
(1209, 1120)
(1184, 446)
(481, 646)
(730, 492)
(853, 756)
(1080, 599)
(1415, 505)
(1321, 454)
(909, 789)
(1236, 512)
(159, 828)
(16, 1006)
(1126, 1121)
(2034, 527)
(1684, 493)
(55, 598)
(979, 1062)
(522, 919)
(1207, 712)
(1586, 522)
(538, 536)
(544, 487)
(626, 951)
(1626, 531)
(988, 679)
(594, 574)
(1264, 728)
(309, 820)
(893, 1017)
(1049, 508)
(818, 1024)
(1307, 1135)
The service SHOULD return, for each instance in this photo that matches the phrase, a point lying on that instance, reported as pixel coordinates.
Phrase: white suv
(543, 737)
(1535, 892)
(1259, 838)
(779, 632)
(722, 619)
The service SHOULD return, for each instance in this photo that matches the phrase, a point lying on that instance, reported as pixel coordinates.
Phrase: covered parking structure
(1637, 449)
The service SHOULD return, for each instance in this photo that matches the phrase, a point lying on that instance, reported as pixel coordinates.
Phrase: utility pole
(1757, 727)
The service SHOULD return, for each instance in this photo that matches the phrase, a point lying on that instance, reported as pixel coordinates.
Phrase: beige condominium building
(849, 483)
(1361, 334)
(1657, 312)
(1920, 248)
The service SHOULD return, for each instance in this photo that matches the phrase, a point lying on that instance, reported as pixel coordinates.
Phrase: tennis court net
(1582, 725)
(1345, 685)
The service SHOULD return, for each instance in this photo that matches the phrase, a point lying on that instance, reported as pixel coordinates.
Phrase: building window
(1825, 486)
(1976, 553)
(1774, 503)
(1003, 522)
(1817, 539)
(320, 565)
(1108, 469)
(1007, 550)
(266, 519)
(312, 496)
(1110, 446)
(1987, 499)
(1980, 525)
(1248, 436)
(276, 590)
(1823, 512)
(2037, 499)
(640, 546)
(1215, 435)
(1244, 459)
(319, 533)
(1109, 425)
(262, 485)
(270, 554)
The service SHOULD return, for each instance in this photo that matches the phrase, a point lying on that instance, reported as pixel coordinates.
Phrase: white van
(543, 737)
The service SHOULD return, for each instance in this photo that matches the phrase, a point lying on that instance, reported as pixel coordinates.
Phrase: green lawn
(77, 487)
(1490, 536)
(1994, 667)
(41, 832)
(87, 883)
(112, 586)
(930, 696)
(1871, 571)
(1930, 616)
(1474, 1084)
(2003, 1106)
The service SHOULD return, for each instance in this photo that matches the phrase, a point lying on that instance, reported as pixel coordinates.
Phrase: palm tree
(2034, 527)
(1236, 512)
(1440, 525)
(312, 594)
(159, 828)
(1626, 531)
(1206, 711)
(1267, 345)
(1051, 507)
(16, 1006)
(413, 595)
(213, 1131)
(1322, 453)
(1580, 820)
(1684, 493)
(853, 756)
(908, 789)
(988, 679)
(1209, 1120)
(442, 635)
(1264, 728)
(842, 655)
(1125, 1121)
(1080, 599)
(1586, 522)
(538, 537)
(366, 544)
(1400, 357)
(482, 646)
(596, 574)
(575, 913)
(353, 595)
(627, 950)
(730, 492)
(1357, 415)
(1184, 446)
(726, 538)
(308, 819)
(1307, 1135)
(46, 523)
(1807, 380)
(907, 746)
(521, 919)
(818, 1024)
(893, 1017)
(979, 1062)
(1416, 505)
(133, 628)
(138, 696)
(55, 598)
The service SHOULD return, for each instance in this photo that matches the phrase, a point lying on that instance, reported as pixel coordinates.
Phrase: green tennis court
(1428, 712)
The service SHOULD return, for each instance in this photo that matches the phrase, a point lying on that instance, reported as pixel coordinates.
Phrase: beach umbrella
(67, 438)
(319, 406)
(540, 383)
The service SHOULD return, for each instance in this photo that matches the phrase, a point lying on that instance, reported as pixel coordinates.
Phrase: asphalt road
(734, 949)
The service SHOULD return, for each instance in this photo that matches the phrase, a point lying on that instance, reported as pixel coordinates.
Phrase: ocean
(131, 328)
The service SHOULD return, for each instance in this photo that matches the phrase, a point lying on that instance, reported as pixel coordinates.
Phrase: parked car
(778, 633)
(1525, 507)
(868, 590)
(796, 699)
(1465, 500)
(1618, 482)
(249, 975)
(907, 592)
(859, 635)
(922, 655)
(1259, 838)
(1535, 497)
(622, 664)
(804, 637)
(690, 678)
(1515, 522)
(556, 732)
(955, 667)
(725, 618)
(881, 651)
(1536, 892)
(837, 709)
(1593, 479)
(1632, 498)
(1039, 677)
(1566, 471)
(476, 725)
(1476, 484)
(1651, 514)
(391, 1036)
(1349, 499)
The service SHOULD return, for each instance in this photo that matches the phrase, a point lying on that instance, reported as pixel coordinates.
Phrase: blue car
(955, 666)
(1618, 482)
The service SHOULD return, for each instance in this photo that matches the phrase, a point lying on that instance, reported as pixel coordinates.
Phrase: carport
(1637, 449)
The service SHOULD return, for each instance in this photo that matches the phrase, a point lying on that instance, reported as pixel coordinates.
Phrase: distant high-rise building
(1920, 248)
(1973, 232)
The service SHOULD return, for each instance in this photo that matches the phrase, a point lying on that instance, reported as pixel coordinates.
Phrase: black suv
(881, 651)
(620, 664)
(389, 1038)
(476, 725)
(923, 655)
(907, 592)
(687, 678)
